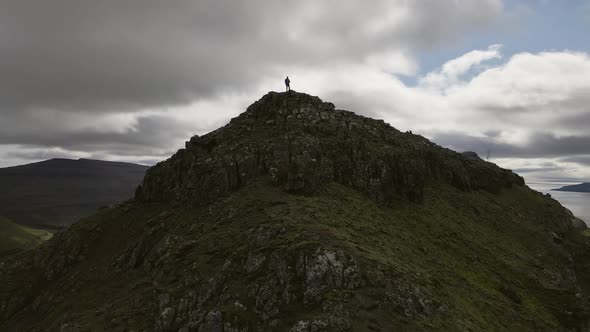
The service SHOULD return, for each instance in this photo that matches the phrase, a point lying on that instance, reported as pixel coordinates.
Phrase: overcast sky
(131, 80)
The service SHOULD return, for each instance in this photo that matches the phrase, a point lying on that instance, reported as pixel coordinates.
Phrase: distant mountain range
(58, 192)
(581, 188)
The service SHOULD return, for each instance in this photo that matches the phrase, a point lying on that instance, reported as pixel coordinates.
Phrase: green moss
(478, 260)
(536, 308)
(481, 261)
(17, 237)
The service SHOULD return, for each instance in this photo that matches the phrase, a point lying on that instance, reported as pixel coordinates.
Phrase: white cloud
(393, 62)
(543, 91)
(451, 72)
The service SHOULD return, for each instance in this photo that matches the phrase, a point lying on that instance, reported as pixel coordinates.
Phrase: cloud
(543, 169)
(99, 56)
(538, 145)
(131, 77)
(582, 160)
(150, 135)
(532, 83)
(451, 72)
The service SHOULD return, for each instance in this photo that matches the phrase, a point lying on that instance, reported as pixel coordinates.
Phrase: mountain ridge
(70, 160)
(59, 191)
(580, 188)
(304, 166)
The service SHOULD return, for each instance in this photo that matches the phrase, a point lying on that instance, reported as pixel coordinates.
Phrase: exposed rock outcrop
(303, 143)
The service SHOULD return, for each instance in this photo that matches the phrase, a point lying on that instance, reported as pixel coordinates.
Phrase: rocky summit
(297, 216)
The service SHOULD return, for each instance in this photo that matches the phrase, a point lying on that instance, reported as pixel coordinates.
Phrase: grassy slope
(489, 260)
(471, 250)
(14, 236)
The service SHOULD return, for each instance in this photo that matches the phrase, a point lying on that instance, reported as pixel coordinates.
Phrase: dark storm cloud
(576, 102)
(579, 121)
(112, 55)
(539, 145)
(493, 133)
(538, 169)
(68, 64)
(151, 134)
(582, 160)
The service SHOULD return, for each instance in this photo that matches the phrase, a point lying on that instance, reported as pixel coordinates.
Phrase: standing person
(287, 83)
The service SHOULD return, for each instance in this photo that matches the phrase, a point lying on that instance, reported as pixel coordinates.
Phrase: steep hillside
(299, 217)
(60, 191)
(16, 237)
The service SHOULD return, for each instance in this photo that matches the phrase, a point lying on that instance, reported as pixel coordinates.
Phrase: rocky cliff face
(300, 217)
(303, 143)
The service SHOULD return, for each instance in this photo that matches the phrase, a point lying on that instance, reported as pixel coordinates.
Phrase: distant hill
(581, 188)
(60, 191)
(15, 237)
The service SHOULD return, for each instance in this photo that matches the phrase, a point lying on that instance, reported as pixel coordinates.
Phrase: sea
(578, 203)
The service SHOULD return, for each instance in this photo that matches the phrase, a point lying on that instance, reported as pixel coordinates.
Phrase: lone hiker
(287, 83)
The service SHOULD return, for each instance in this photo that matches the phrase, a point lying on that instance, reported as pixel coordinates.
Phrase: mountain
(60, 191)
(15, 237)
(581, 188)
(297, 216)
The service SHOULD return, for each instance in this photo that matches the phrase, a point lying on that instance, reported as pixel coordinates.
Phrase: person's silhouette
(287, 83)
